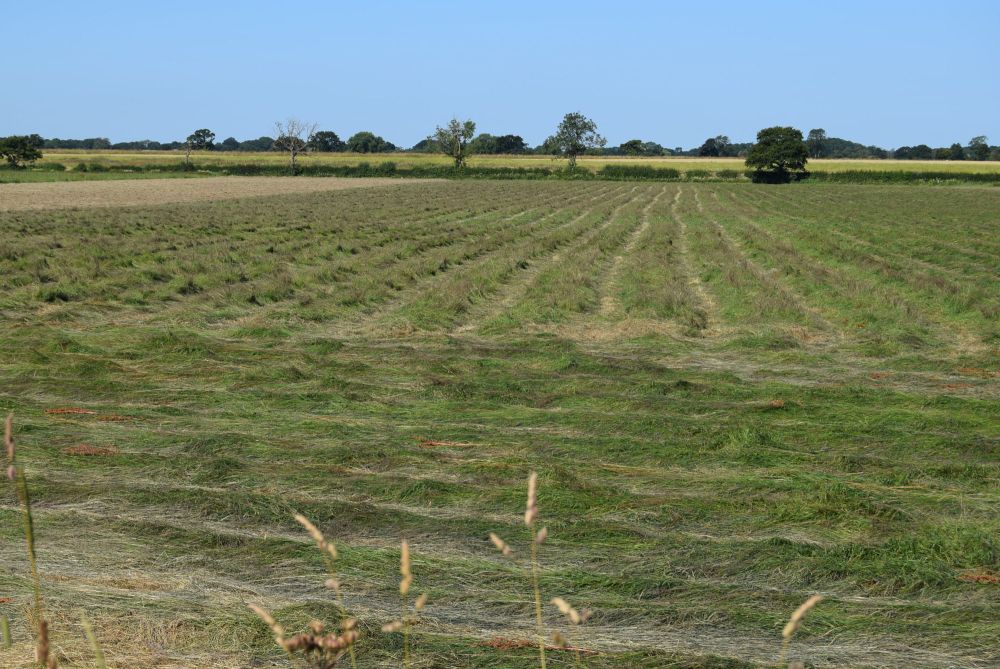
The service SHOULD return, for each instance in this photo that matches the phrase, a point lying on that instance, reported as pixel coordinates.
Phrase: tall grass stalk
(575, 618)
(537, 537)
(95, 645)
(329, 552)
(17, 476)
(5, 638)
(404, 589)
(793, 624)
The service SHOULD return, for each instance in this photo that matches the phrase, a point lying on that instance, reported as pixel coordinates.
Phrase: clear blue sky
(887, 73)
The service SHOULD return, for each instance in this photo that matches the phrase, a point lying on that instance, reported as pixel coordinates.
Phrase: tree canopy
(816, 142)
(493, 144)
(779, 152)
(201, 140)
(979, 148)
(326, 141)
(575, 135)
(19, 150)
(453, 138)
(369, 142)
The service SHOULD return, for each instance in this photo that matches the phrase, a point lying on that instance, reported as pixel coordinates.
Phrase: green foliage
(778, 153)
(326, 141)
(633, 147)
(816, 143)
(494, 145)
(979, 148)
(638, 172)
(368, 142)
(19, 150)
(452, 139)
(575, 135)
(715, 146)
(201, 140)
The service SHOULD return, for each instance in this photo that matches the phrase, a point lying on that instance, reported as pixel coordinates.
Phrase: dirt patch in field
(136, 192)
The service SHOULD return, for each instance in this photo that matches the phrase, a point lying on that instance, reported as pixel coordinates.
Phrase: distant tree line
(818, 144)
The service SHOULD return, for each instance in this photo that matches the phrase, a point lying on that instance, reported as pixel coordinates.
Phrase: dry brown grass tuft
(983, 576)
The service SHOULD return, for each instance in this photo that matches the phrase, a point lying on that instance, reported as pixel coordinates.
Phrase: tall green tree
(715, 146)
(19, 150)
(779, 152)
(633, 147)
(816, 142)
(326, 141)
(979, 148)
(575, 135)
(368, 142)
(453, 139)
(199, 140)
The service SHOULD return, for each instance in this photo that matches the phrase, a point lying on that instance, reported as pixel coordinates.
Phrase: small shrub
(638, 172)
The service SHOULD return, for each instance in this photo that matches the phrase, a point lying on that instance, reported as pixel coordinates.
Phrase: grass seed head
(501, 545)
(796, 620)
(317, 536)
(421, 602)
(531, 508)
(394, 626)
(542, 536)
(564, 608)
(269, 620)
(404, 568)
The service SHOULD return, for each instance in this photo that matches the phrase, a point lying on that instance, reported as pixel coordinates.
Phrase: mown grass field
(734, 395)
(70, 158)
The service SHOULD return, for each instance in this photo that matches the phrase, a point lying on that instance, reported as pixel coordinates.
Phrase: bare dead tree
(293, 138)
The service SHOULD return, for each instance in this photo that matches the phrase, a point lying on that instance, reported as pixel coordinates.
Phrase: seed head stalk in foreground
(17, 476)
(530, 517)
(405, 621)
(793, 624)
(575, 618)
(404, 591)
(329, 553)
(95, 645)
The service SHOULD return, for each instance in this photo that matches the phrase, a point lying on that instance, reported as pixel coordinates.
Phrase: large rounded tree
(779, 153)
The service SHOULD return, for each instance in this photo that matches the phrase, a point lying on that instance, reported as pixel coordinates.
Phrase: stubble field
(735, 396)
(124, 159)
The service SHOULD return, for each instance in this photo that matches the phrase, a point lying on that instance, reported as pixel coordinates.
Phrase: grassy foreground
(734, 396)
